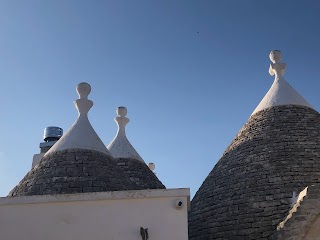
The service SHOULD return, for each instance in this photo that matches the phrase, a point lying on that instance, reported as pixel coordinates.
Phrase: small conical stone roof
(79, 162)
(73, 171)
(249, 191)
(128, 159)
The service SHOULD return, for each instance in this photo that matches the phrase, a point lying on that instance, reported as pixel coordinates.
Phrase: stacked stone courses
(73, 171)
(248, 192)
(139, 174)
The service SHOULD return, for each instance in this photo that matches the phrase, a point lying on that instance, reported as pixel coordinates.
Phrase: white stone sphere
(122, 111)
(83, 89)
(152, 166)
(275, 56)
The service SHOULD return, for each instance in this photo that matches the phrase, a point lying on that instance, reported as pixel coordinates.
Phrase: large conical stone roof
(248, 192)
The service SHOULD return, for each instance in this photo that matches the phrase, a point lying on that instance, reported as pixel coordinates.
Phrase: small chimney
(50, 136)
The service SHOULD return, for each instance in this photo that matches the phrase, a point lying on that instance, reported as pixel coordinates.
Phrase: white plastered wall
(96, 216)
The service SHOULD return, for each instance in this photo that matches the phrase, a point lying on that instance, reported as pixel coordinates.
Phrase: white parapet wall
(97, 216)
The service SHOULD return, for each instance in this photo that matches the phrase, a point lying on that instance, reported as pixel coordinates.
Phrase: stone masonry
(302, 219)
(139, 174)
(247, 194)
(73, 171)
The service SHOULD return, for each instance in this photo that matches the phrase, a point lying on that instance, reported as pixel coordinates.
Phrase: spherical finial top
(83, 90)
(151, 166)
(122, 111)
(275, 56)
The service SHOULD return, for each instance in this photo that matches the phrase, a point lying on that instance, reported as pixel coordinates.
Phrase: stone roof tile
(139, 174)
(73, 171)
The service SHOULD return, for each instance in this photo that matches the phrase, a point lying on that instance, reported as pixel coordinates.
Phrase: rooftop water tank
(52, 134)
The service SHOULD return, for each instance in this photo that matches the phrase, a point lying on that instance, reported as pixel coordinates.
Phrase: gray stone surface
(248, 192)
(73, 171)
(299, 222)
(139, 174)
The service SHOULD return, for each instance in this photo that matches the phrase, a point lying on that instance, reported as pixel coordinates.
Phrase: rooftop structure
(302, 221)
(281, 92)
(265, 186)
(51, 136)
(120, 147)
(277, 152)
(128, 159)
(87, 193)
(81, 134)
(78, 162)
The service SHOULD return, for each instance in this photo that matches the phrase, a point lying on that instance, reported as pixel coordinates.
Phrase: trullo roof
(128, 159)
(249, 191)
(78, 162)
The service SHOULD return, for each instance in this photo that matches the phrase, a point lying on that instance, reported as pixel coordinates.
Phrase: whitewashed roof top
(281, 92)
(81, 134)
(120, 147)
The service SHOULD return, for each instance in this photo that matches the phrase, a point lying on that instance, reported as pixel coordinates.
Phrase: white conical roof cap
(81, 134)
(120, 147)
(281, 92)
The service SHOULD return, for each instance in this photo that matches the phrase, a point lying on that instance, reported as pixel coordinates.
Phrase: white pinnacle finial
(83, 104)
(120, 147)
(122, 111)
(275, 56)
(83, 90)
(281, 92)
(81, 134)
(151, 166)
(122, 121)
(276, 68)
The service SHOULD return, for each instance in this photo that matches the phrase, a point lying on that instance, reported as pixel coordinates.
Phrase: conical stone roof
(248, 192)
(79, 162)
(139, 174)
(128, 159)
(73, 171)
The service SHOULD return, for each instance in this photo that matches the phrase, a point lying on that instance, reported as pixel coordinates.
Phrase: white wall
(36, 159)
(96, 216)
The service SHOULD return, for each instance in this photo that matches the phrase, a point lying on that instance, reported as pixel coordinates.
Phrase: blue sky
(189, 72)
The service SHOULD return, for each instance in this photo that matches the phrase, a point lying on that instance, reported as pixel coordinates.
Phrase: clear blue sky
(189, 72)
